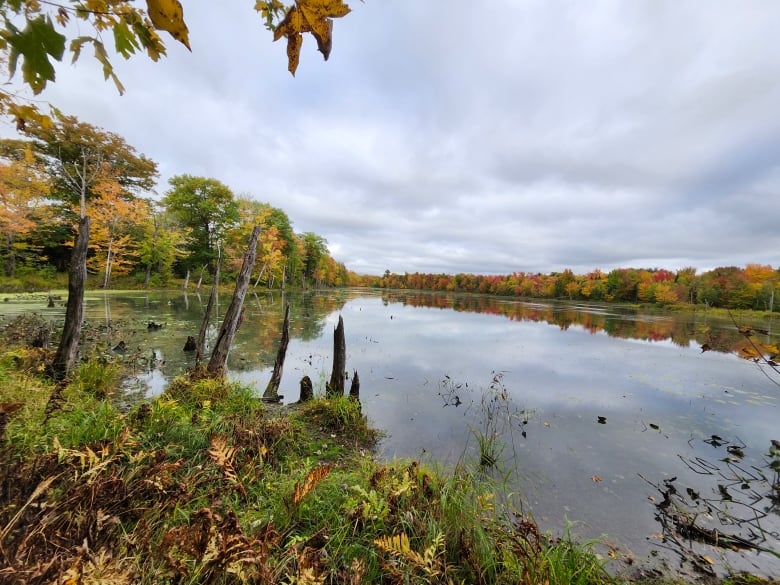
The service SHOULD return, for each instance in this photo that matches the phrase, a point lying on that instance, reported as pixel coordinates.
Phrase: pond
(612, 422)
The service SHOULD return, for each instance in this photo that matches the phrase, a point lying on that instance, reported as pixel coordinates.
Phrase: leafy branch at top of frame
(36, 34)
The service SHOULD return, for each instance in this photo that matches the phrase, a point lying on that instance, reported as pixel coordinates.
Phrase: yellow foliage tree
(114, 215)
(23, 189)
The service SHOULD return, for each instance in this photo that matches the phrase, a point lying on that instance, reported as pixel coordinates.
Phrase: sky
(485, 137)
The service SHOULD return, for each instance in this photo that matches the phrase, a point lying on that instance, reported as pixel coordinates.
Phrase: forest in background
(753, 287)
(63, 164)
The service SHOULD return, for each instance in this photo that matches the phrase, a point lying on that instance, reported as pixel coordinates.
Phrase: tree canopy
(205, 209)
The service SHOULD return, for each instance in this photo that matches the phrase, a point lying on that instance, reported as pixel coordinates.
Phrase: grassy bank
(206, 484)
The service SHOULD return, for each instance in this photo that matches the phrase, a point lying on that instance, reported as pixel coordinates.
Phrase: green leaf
(76, 45)
(108, 69)
(125, 40)
(36, 43)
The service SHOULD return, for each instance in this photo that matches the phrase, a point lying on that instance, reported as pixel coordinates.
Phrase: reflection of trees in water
(616, 321)
(314, 308)
(181, 313)
(740, 511)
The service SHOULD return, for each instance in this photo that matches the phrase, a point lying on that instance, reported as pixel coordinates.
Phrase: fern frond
(314, 477)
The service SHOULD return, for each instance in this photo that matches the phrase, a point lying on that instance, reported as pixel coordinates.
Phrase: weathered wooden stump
(271, 393)
(190, 344)
(307, 390)
(354, 389)
(336, 385)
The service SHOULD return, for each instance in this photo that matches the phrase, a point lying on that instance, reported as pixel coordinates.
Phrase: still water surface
(599, 407)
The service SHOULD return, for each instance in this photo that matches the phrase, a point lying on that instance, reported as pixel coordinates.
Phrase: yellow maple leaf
(168, 15)
(312, 16)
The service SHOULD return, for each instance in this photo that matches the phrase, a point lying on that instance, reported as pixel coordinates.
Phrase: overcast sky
(487, 137)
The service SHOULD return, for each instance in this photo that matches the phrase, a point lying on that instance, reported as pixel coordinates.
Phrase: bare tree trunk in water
(204, 326)
(74, 313)
(336, 385)
(271, 393)
(186, 280)
(219, 355)
(262, 271)
(354, 389)
(200, 278)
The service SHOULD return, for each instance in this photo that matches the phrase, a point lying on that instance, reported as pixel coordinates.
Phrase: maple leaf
(168, 15)
(312, 16)
(35, 44)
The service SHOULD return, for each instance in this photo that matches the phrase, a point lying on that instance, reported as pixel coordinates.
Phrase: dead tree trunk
(200, 278)
(74, 313)
(271, 393)
(204, 326)
(262, 271)
(336, 385)
(186, 280)
(354, 389)
(219, 355)
(307, 390)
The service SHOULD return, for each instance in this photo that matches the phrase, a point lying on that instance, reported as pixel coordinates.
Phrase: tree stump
(336, 385)
(190, 344)
(271, 393)
(354, 389)
(307, 390)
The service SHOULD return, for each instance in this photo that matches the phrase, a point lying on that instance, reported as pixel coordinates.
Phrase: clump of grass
(194, 388)
(341, 415)
(98, 376)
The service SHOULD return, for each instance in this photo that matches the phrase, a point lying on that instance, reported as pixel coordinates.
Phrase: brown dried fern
(314, 477)
(224, 456)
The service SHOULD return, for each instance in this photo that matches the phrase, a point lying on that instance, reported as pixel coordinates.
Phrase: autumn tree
(206, 210)
(75, 157)
(114, 218)
(279, 256)
(78, 155)
(78, 158)
(23, 188)
(315, 251)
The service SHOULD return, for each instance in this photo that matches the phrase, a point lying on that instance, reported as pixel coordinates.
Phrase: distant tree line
(755, 286)
(63, 169)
